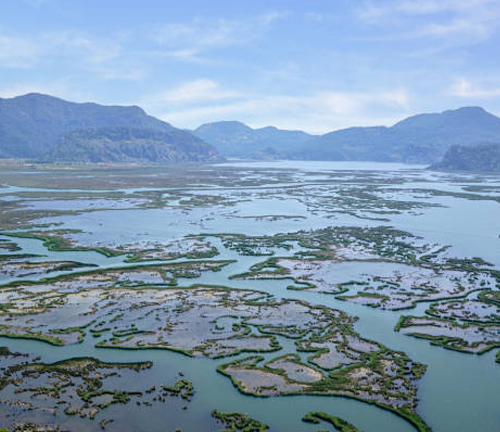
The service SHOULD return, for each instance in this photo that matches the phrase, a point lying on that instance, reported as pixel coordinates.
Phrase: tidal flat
(248, 296)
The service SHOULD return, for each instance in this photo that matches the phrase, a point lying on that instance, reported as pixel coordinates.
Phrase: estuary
(153, 298)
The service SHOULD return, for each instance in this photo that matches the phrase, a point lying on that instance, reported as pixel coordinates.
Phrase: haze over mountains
(41, 127)
(236, 139)
(422, 138)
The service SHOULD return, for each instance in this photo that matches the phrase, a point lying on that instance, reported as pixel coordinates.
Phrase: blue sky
(316, 65)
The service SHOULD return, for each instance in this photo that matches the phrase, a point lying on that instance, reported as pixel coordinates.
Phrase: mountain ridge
(230, 136)
(32, 125)
(421, 138)
(42, 127)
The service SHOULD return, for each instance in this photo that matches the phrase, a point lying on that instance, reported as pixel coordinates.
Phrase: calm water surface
(459, 392)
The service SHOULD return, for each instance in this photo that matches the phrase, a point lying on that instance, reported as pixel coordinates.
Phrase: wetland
(269, 296)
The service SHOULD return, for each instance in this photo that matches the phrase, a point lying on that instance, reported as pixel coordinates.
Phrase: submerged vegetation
(80, 387)
(181, 260)
(420, 271)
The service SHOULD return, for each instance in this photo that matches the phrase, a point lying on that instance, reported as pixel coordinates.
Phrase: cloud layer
(316, 66)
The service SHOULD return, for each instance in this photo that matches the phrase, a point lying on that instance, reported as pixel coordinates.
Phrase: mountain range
(43, 127)
(422, 138)
(236, 139)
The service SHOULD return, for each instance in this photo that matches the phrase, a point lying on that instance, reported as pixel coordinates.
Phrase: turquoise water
(459, 392)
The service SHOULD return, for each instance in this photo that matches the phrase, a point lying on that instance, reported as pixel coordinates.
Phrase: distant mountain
(126, 144)
(31, 126)
(422, 138)
(236, 139)
(42, 127)
(480, 158)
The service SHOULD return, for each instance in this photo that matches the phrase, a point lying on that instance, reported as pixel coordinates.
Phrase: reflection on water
(458, 393)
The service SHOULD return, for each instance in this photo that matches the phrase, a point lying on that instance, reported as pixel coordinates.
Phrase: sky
(315, 65)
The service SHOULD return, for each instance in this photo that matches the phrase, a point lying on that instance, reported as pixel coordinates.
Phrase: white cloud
(119, 71)
(16, 52)
(452, 22)
(189, 54)
(201, 101)
(28, 51)
(187, 41)
(372, 11)
(457, 28)
(104, 57)
(93, 51)
(465, 89)
(269, 17)
(201, 90)
(205, 32)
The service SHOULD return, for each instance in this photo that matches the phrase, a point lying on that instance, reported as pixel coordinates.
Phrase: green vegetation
(435, 275)
(6, 332)
(141, 306)
(60, 381)
(367, 371)
(26, 268)
(55, 241)
(10, 246)
(237, 422)
(490, 296)
(183, 388)
(14, 257)
(467, 337)
(61, 240)
(80, 387)
(337, 422)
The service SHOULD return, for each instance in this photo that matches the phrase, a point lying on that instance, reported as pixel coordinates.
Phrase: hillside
(423, 138)
(33, 124)
(481, 158)
(236, 139)
(37, 126)
(125, 144)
